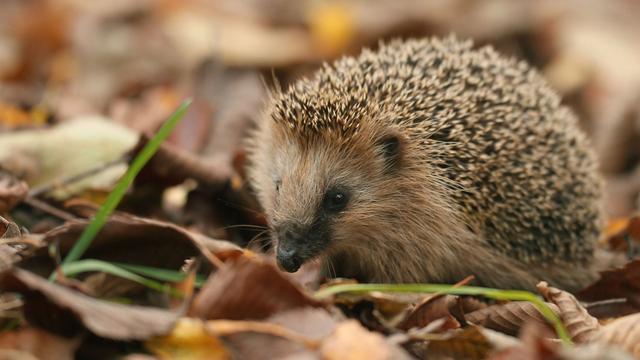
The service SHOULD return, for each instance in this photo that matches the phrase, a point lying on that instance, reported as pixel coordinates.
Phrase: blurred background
(83, 83)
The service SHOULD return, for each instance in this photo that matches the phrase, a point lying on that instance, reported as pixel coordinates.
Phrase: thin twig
(43, 206)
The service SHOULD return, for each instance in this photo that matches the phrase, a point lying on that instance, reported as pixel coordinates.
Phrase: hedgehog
(428, 160)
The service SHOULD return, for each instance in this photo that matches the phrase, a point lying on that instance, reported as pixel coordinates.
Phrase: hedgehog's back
(521, 170)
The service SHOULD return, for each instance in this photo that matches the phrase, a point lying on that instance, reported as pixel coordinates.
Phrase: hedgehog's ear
(390, 146)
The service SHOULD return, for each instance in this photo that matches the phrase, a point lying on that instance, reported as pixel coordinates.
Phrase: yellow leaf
(189, 340)
(332, 27)
(12, 116)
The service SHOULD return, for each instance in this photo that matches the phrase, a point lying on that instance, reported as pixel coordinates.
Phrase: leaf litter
(182, 268)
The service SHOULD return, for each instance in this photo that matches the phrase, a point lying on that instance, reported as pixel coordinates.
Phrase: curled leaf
(581, 326)
(12, 191)
(509, 317)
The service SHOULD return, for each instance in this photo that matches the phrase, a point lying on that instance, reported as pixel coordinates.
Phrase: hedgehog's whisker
(256, 238)
(240, 207)
(245, 226)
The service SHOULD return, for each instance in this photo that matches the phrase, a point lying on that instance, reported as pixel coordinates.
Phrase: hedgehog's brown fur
(493, 177)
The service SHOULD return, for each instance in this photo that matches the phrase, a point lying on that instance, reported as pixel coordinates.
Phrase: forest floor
(100, 261)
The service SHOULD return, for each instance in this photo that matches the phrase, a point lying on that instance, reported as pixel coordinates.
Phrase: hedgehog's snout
(288, 258)
(288, 252)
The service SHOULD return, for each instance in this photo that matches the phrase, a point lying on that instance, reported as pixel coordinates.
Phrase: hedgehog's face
(322, 193)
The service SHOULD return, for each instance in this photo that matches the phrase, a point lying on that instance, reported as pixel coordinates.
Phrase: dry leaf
(312, 324)
(622, 282)
(248, 289)
(12, 116)
(133, 240)
(269, 339)
(534, 345)
(66, 312)
(9, 249)
(509, 317)
(350, 341)
(468, 343)
(147, 113)
(430, 309)
(378, 310)
(189, 340)
(8, 229)
(12, 191)
(623, 332)
(46, 155)
(14, 246)
(624, 233)
(582, 327)
(171, 165)
(37, 343)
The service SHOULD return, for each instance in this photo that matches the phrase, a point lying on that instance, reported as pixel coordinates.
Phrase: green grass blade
(160, 274)
(121, 187)
(89, 265)
(496, 294)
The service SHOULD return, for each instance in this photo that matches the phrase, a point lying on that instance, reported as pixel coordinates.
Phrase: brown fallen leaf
(37, 343)
(509, 317)
(350, 341)
(534, 345)
(376, 310)
(172, 165)
(623, 235)
(134, 240)
(467, 343)
(8, 229)
(309, 276)
(582, 327)
(12, 191)
(248, 289)
(623, 332)
(13, 246)
(622, 282)
(313, 324)
(67, 312)
(430, 309)
(291, 333)
(146, 113)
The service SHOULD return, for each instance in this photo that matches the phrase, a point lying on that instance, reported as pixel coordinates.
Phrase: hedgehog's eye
(335, 200)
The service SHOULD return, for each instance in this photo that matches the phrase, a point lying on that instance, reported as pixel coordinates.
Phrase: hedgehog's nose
(288, 258)
(287, 254)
